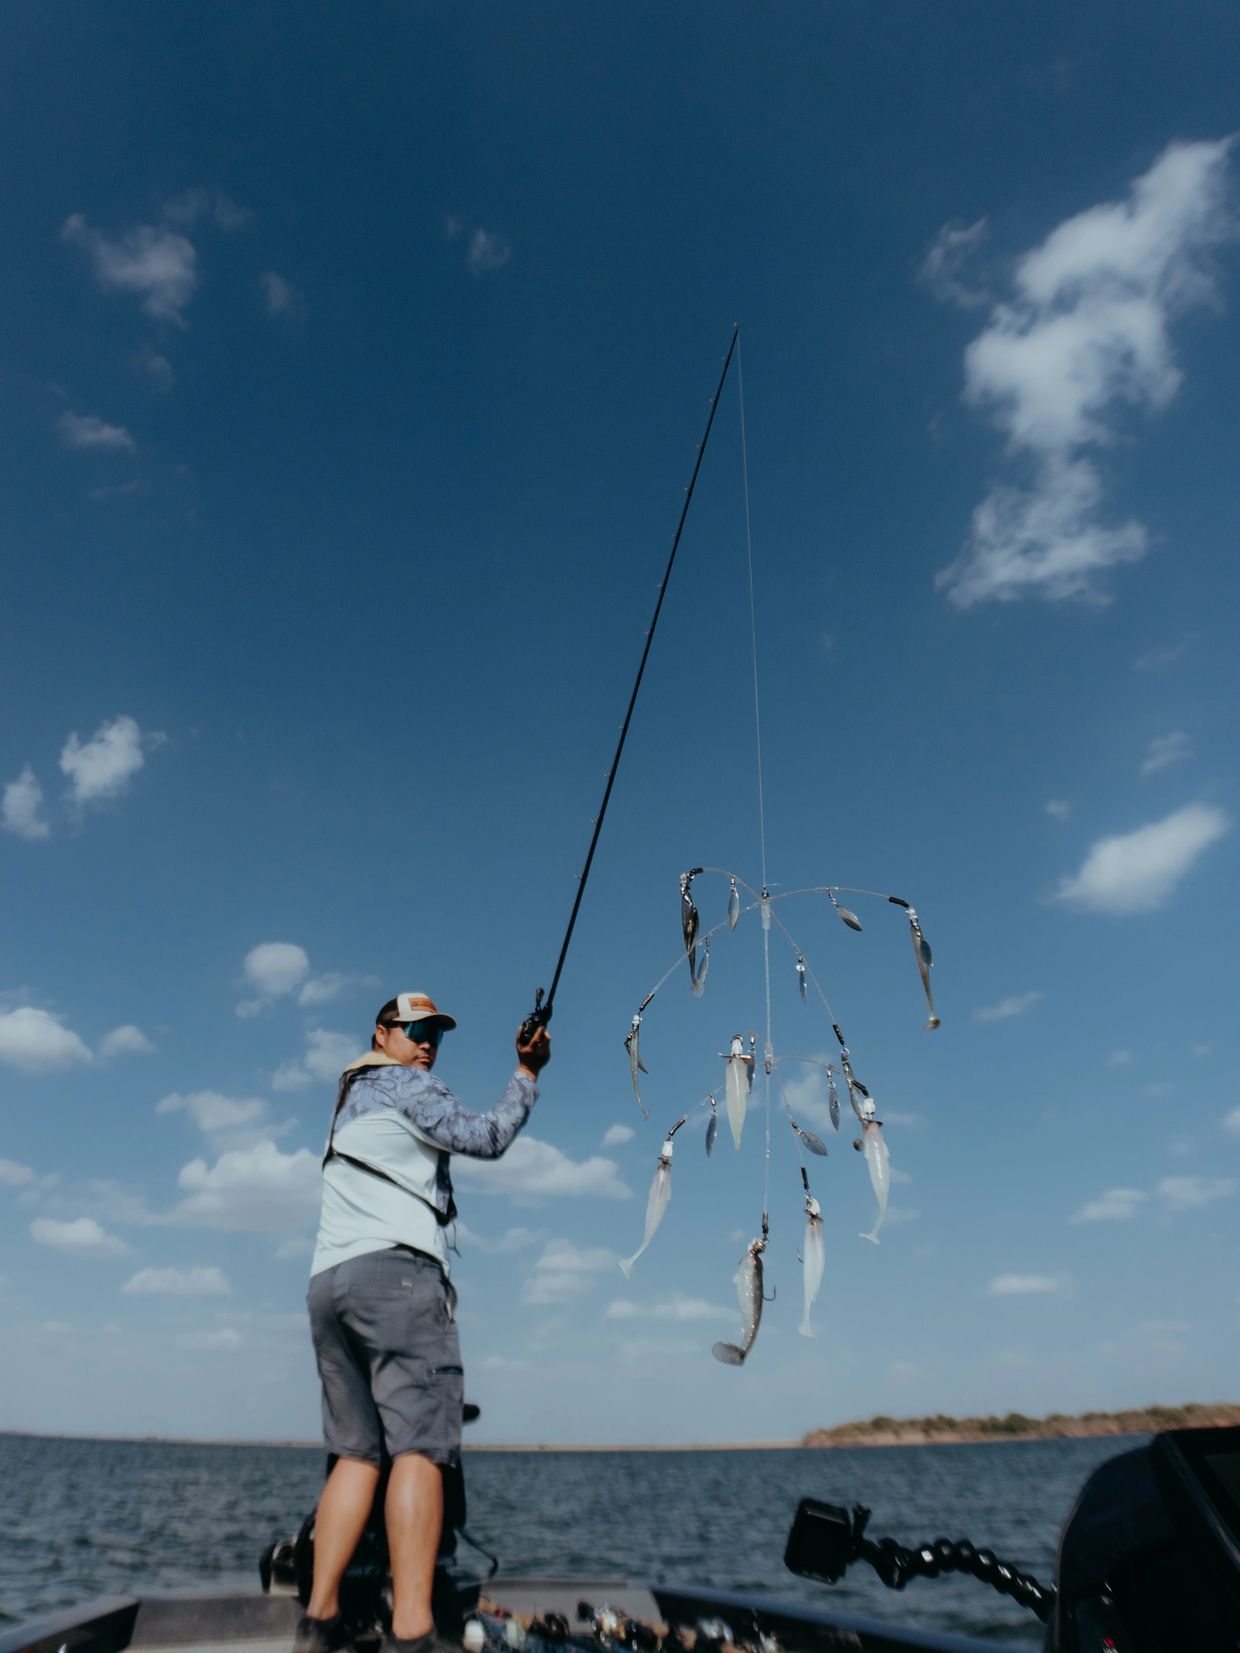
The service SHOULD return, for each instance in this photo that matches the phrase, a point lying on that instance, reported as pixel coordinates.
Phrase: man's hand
(535, 1055)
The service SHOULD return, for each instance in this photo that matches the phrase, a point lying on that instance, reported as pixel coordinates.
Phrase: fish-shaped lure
(801, 977)
(738, 1077)
(712, 1127)
(748, 1283)
(698, 982)
(734, 905)
(813, 1257)
(833, 1100)
(633, 1044)
(850, 918)
(689, 920)
(923, 955)
(874, 1148)
(658, 1199)
(862, 1104)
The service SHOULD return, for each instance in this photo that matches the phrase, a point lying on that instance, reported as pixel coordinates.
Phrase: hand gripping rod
(543, 1004)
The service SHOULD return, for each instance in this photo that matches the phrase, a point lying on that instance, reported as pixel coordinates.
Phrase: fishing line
(765, 900)
(541, 1013)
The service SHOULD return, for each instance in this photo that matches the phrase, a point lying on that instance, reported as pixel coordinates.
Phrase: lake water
(84, 1518)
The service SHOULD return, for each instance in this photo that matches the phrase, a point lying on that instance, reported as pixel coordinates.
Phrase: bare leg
(414, 1511)
(343, 1508)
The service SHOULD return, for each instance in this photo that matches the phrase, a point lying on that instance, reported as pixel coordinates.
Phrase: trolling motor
(1149, 1557)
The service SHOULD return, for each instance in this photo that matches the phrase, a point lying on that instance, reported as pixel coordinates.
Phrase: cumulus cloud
(102, 767)
(224, 1337)
(252, 1188)
(1016, 1004)
(617, 1135)
(87, 430)
(1164, 750)
(178, 1282)
(125, 1041)
(20, 809)
(1115, 1205)
(532, 1171)
(1084, 339)
(326, 1056)
(1058, 809)
(944, 269)
(1023, 1285)
(1185, 1193)
(276, 968)
(487, 251)
(564, 1271)
(512, 1239)
(1231, 1121)
(13, 1175)
(668, 1308)
(154, 368)
(1120, 1058)
(1137, 872)
(281, 298)
(37, 1041)
(210, 205)
(156, 264)
(213, 1112)
(83, 1237)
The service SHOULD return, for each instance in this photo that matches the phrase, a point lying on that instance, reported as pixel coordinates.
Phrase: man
(381, 1307)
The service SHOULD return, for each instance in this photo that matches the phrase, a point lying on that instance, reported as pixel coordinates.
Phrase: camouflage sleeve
(442, 1120)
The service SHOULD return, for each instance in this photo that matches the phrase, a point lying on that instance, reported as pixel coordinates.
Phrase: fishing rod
(544, 1004)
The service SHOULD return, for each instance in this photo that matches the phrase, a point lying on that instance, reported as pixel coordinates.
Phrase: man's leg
(342, 1513)
(414, 1512)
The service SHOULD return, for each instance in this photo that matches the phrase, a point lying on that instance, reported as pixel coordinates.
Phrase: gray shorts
(389, 1357)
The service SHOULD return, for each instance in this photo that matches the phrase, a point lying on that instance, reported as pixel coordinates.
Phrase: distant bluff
(1015, 1426)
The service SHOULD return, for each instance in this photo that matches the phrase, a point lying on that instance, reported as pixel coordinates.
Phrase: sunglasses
(424, 1032)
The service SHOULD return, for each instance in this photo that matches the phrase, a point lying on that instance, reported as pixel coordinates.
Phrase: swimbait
(801, 978)
(850, 918)
(633, 1044)
(813, 1257)
(923, 955)
(658, 1199)
(877, 1159)
(855, 1087)
(748, 1283)
(698, 982)
(734, 905)
(689, 920)
(738, 1077)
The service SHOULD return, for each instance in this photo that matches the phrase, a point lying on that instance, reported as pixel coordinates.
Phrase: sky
(354, 362)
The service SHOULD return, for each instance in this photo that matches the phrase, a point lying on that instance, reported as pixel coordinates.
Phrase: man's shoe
(431, 1642)
(320, 1635)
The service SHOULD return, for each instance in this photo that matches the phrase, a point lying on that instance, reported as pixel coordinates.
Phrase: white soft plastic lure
(656, 1204)
(813, 1260)
(736, 1087)
(877, 1160)
(749, 1297)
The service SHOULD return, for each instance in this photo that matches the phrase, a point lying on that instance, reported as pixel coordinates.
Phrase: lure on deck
(850, 918)
(748, 1283)
(658, 1199)
(813, 1257)
(877, 1162)
(923, 955)
(738, 1077)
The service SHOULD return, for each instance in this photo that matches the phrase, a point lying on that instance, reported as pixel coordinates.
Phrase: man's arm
(443, 1121)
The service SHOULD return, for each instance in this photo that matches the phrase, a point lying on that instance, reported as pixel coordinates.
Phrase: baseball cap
(414, 1007)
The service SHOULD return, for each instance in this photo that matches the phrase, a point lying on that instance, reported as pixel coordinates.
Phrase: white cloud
(564, 1271)
(1164, 750)
(1119, 1059)
(326, 1057)
(101, 768)
(255, 1187)
(1185, 1193)
(330, 985)
(37, 1041)
(13, 1175)
(944, 268)
(1016, 1004)
(1231, 1121)
(1138, 871)
(281, 298)
(19, 813)
(1160, 656)
(212, 1111)
(1084, 337)
(213, 205)
(487, 251)
(153, 367)
(87, 430)
(82, 1237)
(1059, 809)
(1115, 1205)
(1022, 1285)
(157, 265)
(621, 1308)
(178, 1282)
(617, 1135)
(125, 1041)
(276, 968)
(512, 1239)
(532, 1170)
(226, 1337)
(668, 1308)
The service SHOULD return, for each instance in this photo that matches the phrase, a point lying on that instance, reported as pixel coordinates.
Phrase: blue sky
(354, 362)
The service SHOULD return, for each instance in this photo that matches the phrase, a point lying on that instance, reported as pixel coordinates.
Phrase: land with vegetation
(1015, 1426)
